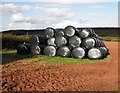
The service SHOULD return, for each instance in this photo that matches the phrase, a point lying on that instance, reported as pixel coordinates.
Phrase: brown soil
(99, 76)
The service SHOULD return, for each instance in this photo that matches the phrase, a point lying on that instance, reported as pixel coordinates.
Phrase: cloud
(65, 2)
(75, 23)
(51, 16)
(56, 12)
(44, 21)
(47, 16)
(25, 7)
(21, 25)
(98, 6)
(72, 2)
(18, 17)
(10, 8)
(19, 21)
(83, 21)
(95, 14)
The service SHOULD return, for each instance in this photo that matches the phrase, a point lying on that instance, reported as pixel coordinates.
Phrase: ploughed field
(34, 75)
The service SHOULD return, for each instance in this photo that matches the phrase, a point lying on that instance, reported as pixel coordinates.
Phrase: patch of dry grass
(108, 38)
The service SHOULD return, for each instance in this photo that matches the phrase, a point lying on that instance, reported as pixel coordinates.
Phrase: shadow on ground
(7, 58)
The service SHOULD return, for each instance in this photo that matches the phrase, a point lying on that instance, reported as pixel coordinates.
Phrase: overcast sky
(58, 13)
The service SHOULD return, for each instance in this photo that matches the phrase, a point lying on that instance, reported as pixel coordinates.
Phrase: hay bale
(92, 42)
(74, 41)
(97, 53)
(60, 41)
(78, 52)
(23, 48)
(64, 51)
(35, 49)
(51, 41)
(50, 50)
(49, 32)
(70, 31)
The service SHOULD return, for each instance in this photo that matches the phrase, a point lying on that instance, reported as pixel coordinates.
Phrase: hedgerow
(10, 41)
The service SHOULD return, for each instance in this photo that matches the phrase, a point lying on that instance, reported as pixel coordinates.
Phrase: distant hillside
(100, 31)
(107, 31)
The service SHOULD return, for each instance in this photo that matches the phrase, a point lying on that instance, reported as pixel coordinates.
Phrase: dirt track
(101, 76)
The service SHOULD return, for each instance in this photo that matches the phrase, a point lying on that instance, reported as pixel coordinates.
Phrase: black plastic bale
(49, 32)
(60, 41)
(87, 32)
(106, 50)
(23, 48)
(64, 51)
(74, 41)
(70, 31)
(97, 53)
(35, 49)
(42, 47)
(33, 39)
(50, 50)
(59, 33)
(92, 42)
(51, 41)
(37, 39)
(78, 52)
(96, 36)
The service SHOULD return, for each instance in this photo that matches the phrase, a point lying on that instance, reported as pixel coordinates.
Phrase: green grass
(61, 60)
(11, 55)
(15, 56)
(108, 38)
(12, 41)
